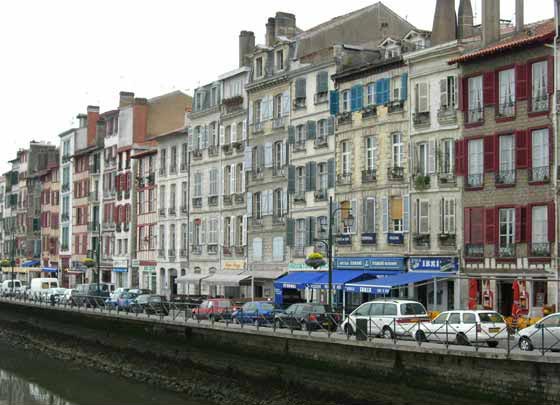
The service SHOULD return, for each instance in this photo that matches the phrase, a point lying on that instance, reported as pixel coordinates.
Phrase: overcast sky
(59, 56)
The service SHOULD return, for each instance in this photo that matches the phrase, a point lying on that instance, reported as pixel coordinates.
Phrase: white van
(39, 287)
(7, 286)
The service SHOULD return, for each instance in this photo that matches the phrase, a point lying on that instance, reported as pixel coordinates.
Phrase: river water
(32, 379)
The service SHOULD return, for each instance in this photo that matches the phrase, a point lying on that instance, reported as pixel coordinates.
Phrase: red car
(213, 309)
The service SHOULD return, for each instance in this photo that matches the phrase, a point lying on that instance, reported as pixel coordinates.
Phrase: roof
(176, 131)
(532, 34)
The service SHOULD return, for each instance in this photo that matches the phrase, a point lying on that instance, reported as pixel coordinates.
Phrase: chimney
(445, 22)
(92, 117)
(126, 98)
(82, 120)
(100, 131)
(270, 32)
(490, 21)
(285, 25)
(519, 15)
(465, 25)
(246, 46)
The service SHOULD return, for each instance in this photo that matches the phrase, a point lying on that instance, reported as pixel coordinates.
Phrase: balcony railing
(196, 250)
(65, 188)
(299, 197)
(474, 250)
(299, 103)
(227, 251)
(395, 106)
(506, 251)
(227, 200)
(278, 171)
(447, 240)
(320, 195)
(395, 173)
(539, 103)
(447, 116)
(299, 146)
(213, 151)
(321, 141)
(475, 115)
(344, 179)
(161, 253)
(421, 119)
(540, 249)
(505, 177)
(171, 253)
(369, 176)
(321, 98)
(162, 172)
(279, 123)
(213, 201)
(197, 154)
(172, 211)
(446, 179)
(258, 127)
(345, 118)
(506, 109)
(212, 249)
(422, 240)
(539, 174)
(173, 168)
(197, 202)
(475, 180)
(184, 209)
(257, 222)
(369, 112)
(239, 198)
(93, 197)
(64, 217)
(183, 253)
(278, 220)
(240, 250)
(162, 212)
(109, 194)
(183, 167)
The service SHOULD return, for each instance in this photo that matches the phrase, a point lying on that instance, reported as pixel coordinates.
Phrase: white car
(386, 318)
(464, 328)
(544, 335)
(57, 293)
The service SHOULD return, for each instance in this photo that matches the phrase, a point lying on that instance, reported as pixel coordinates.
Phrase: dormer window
(259, 67)
(280, 59)
(393, 52)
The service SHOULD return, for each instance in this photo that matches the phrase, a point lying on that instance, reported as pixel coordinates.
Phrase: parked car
(387, 318)
(91, 295)
(55, 293)
(68, 297)
(112, 301)
(257, 313)
(213, 309)
(464, 327)
(40, 285)
(544, 335)
(7, 287)
(151, 304)
(307, 317)
(126, 299)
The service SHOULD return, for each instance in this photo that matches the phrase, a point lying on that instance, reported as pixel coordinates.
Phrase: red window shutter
(551, 222)
(460, 157)
(550, 74)
(518, 223)
(522, 149)
(488, 88)
(489, 153)
(116, 214)
(128, 181)
(523, 236)
(521, 82)
(551, 147)
(467, 225)
(477, 225)
(490, 222)
(463, 94)
(529, 224)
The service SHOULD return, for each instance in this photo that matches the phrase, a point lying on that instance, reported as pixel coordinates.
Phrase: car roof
(392, 300)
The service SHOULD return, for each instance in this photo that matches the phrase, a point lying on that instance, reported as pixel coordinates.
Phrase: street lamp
(348, 222)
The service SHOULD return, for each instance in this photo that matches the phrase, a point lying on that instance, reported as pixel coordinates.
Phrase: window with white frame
(323, 177)
(422, 156)
(239, 178)
(239, 240)
(184, 238)
(172, 237)
(346, 148)
(213, 182)
(277, 202)
(227, 135)
(227, 177)
(506, 173)
(352, 206)
(370, 89)
(162, 238)
(539, 86)
(280, 59)
(447, 156)
(278, 249)
(539, 231)
(257, 105)
(448, 93)
(213, 225)
(277, 106)
(278, 153)
(173, 160)
(300, 180)
(172, 196)
(397, 214)
(475, 112)
(162, 196)
(300, 237)
(227, 232)
(197, 185)
(448, 216)
(258, 205)
(506, 232)
(476, 158)
(322, 128)
(422, 98)
(396, 83)
(257, 249)
(346, 100)
(506, 88)
(259, 67)
(423, 216)
(184, 196)
(398, 149)
(540, 155)
(371, 154)
(300, 134)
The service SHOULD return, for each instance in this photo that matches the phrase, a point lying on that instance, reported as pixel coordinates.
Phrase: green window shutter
(331, 166)
(334, 102)
(300, 88)
(291, 179)
(312, 176)
(311, 129)
(291, 135)
(308, 176)
(330, 126)
(311, 230)
(322, 82)
(290, 233)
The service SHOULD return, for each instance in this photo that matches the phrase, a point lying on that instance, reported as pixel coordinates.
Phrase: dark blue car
(257, 313)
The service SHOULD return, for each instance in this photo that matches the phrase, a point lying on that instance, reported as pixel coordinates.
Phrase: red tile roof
(533, 34)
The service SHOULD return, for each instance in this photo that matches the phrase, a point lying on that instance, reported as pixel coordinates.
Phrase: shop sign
(447, 264)
(135, 263)
(149, 268)
(395, 238)
(369, 263)
(120, 263)
(369, 238)
(234, 265)
(344, 240)
(305, 267)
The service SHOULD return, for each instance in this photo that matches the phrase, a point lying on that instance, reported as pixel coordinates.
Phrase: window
(257, 111)
(422, 159)
(277, 156)
(448, 216)
(475, 169)
(369, 215)
(322, 128)
(398, 149)
(184, 196)
(370, 94)
(239, 237)
(397, 214)
(163, 160)
(278, 249)
(259, 67)
(227, 232)
(184, 237)
(346, 148)
(277, 106)
(197, 185)
(447, 156)
(506, 173)
(423, 217)
(213, 231)
(162, 197)
(346, 100)
(396, 83)
(540, 155)
(227, 177)
(172, 236)
(258, 205)
(300, 238)
(300, 134)
(278, 203)
(257, 249)
(349, 207)
(214, 134)
(280, 60)
(448, 93)
(539, 231)
(213, 182)
(239, 178)
(422, 98)
(184, 153)
(323, 177)
(475, 112)
(300, 180)
(506, 83)
(539, 81)
(507, 232)
(371, 154)
(173, 163)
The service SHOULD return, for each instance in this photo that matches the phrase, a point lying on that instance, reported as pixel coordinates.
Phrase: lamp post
(348, 222)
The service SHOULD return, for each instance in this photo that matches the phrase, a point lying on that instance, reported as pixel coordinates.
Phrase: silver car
(544, 335)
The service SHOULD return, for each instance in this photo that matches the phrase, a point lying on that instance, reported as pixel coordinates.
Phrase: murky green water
(32, 379)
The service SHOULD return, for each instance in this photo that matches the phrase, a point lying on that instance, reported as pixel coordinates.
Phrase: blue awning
(50, 269)
(341, 277)
(382, 286)
(120, 270)
(298, 279)
(31, 263)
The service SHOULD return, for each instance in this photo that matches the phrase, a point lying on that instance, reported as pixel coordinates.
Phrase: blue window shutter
(353, 96)
(334, 102)
(404, 86)
(359, 97)
(379, 92)
(387, 91)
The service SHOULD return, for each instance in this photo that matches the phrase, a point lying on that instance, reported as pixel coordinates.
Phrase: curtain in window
(540, 86)
(475, 157)
(507, 92)
(507, 151)
(540, 152)
(475, 98)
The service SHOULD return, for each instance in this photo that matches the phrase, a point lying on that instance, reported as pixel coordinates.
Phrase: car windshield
(491, 317)
(319, 309)
(412, 308)
(155, 298)
(224, 304)
(268, 307)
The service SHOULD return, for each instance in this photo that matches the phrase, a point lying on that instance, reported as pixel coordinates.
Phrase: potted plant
(422, 182)
(89, 263)
(4, 263)
(315, 260)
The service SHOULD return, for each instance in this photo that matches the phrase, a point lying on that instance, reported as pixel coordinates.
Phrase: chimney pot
(465, 23)
(519, 15)
(246, 46)
(490, 21)
(126, 98)
(445, 22)
(270, 32)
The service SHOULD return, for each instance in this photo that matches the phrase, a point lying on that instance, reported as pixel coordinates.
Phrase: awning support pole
(435, 294)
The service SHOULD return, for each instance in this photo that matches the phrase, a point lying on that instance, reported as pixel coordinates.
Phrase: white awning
(191, 278)
(226, 279)
(266, 274)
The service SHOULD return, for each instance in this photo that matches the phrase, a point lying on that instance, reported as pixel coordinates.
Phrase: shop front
(441, 291)
(120, 273)
(148, 279)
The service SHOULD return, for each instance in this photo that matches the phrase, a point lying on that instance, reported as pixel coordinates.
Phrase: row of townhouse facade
(441, 145)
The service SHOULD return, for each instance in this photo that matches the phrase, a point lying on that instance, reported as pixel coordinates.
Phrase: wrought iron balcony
(196, 250)
(213, 201)
(475, 115)
(172, 211)
(171, 253)
(506, 251)
(474, 250)
(475, 180)
(184, 209)
(321, 98)
(506, 109)
(65, 187)
(278, 220)
(421, 119)
(505, 177)
(299, 103)
(162, 212)
(539, 174)
(540, 103)
(257, 222)
(447, 240)
(183, 167)
(64, 217)
(227, 251)
(320, 195)
(161, 253)
(279, 123)
(109, 194)
(395, 106)
(197, 202)
(540, 249)
(227, 200)
(447, 179)
(258, 127)
(213, 151)
(369, 112)
(395, 173)
(299, 146)
(321, 141)
(447, 116)
(369, 176)
(162, 172)
(344, 179)
(278, 171)
(344, 118)
(212, 249)
(239, 198)
(183, 253)
(299, 197)
(422, 240)
(197, 154)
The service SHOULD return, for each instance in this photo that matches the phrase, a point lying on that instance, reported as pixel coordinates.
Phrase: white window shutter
(406, 213)
(249, 204)
(244, 135)
(442, 204)
(284, 202)
(270, 106)
(263, 203)
(222, 135)
(232, 231)
(268, 154)
(232, 179)
(286, 103)
(220, 231)
(270, 202)
(432, 157)
(374, 219)
(283, 154)
(191, 227)
(203, 232)
(233, 132)
(242, 174)
(385, 213)
(244, 230)
(250, 117)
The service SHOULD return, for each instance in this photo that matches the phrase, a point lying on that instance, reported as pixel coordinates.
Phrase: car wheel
(387, 333)
(420, 336)
(348, 330)
(462, 340)
(492, 344)
(525, 344)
